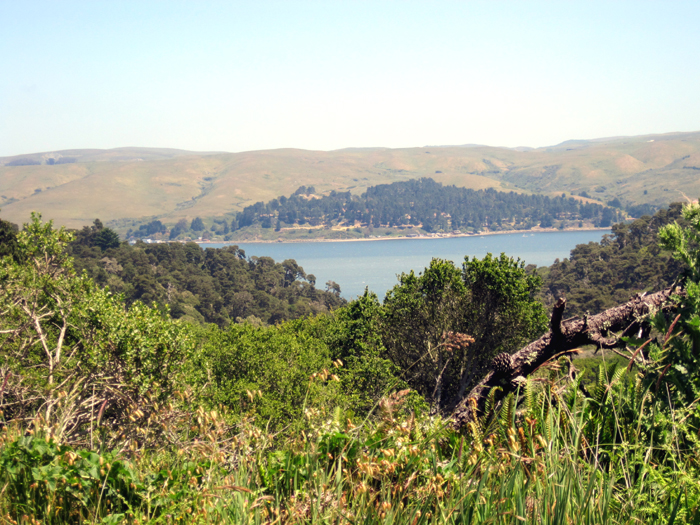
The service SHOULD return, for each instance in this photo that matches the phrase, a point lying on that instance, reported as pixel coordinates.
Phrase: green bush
(70, 352)
(354, 336)
(274, 373)
(443, 326)
(57, 484)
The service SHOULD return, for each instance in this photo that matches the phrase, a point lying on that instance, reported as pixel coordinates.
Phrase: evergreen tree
(197, 225)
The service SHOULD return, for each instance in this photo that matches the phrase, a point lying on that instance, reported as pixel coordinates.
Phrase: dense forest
(204, 285)
(422, 203)
(113, 411)
(629, 260)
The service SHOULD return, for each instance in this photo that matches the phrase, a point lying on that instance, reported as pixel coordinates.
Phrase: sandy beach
(440, 236)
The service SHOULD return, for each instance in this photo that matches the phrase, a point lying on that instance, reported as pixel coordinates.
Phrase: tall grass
(536, 465)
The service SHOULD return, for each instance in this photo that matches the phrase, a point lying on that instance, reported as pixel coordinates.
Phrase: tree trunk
(564, 337)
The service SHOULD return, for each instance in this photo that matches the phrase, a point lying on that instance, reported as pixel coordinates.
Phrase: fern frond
(507, 412)
(543, 403)
(549, 427)
(619, 372)
(490, 404)
(600, 386)
(530, 398)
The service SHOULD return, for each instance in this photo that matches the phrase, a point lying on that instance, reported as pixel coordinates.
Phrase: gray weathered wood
(564, 337)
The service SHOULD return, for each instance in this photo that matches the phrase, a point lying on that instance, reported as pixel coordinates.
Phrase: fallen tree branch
(564, 336)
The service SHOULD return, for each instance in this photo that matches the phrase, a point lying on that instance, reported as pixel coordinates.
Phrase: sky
(252, 75)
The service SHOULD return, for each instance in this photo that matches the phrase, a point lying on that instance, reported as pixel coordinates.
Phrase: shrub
(70, 353)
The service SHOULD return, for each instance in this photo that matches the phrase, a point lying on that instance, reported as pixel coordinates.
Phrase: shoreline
(420, 237)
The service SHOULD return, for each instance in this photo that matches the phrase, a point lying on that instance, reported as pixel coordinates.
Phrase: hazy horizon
(249, 76)
(353, 147)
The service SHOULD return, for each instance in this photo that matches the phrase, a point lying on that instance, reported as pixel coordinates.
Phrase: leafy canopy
(490, 302)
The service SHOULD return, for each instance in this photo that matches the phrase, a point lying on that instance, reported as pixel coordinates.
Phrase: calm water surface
(355, 265)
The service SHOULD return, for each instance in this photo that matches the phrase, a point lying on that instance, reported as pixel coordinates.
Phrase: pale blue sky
(236, 76)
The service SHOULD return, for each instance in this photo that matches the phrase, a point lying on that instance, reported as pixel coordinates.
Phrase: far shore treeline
(414, 206)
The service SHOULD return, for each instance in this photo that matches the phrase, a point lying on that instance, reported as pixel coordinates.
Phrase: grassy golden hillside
(172, 184)
(665, 166)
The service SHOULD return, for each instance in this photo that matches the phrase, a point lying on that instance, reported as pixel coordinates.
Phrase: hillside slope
(174, 184)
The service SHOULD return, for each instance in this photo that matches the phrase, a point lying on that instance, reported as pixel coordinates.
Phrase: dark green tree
(180, 227)
(546, 221)
(601, 275)
(151, 228)
(443, 327)
(421, 202)
(502, 312)
(333, 287)
(197, 224)
(212, 285)
(419, 312)
(8, 239)
(353, 335)
(107, 238)
(88, 234)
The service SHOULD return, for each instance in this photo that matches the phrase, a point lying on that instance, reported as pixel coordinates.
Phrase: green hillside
(139, 183)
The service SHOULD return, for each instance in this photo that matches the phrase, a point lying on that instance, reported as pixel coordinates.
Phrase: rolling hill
(73, 187)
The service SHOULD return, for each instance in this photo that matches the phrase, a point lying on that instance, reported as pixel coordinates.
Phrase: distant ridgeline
(27, 161)
(422, 203)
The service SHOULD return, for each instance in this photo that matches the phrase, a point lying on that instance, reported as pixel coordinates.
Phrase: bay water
(376, 264)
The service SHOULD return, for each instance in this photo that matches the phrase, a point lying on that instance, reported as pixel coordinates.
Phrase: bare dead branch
(563, 338)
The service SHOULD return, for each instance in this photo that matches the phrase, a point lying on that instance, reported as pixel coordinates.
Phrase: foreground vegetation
(124, 415)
